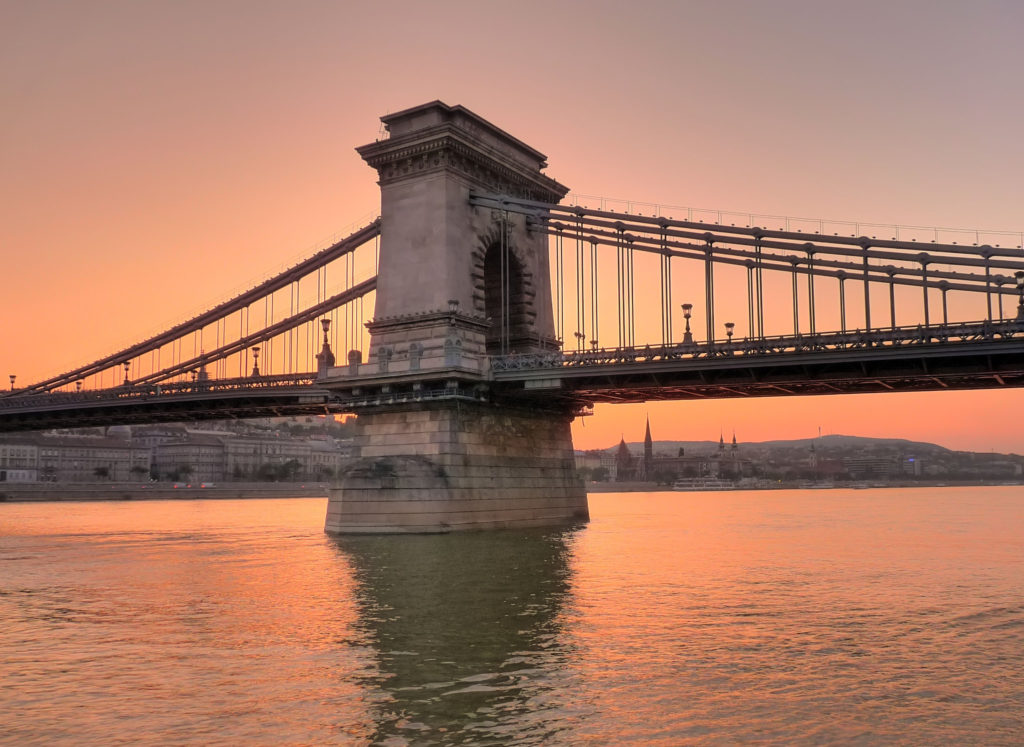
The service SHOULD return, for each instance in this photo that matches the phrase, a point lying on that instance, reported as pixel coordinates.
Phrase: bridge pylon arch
(455, 284)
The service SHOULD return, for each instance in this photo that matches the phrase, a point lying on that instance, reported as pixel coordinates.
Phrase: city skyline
(212, 144)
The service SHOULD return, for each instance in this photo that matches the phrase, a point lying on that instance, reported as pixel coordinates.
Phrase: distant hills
(824, 443)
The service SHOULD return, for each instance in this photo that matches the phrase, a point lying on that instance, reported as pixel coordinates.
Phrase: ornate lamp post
(580, 337)
(687, 334)
(127, 366)
(325, 358)
(13, 377)
(256, 361)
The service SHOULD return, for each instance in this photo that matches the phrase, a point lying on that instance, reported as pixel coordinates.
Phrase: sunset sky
(156, 157)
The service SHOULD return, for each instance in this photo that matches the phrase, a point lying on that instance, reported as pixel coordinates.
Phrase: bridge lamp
(1019, 275)
(687, 334)
(729, 328)
(13, 377)
(78, 385)
(256, 361)
(593, 345)
(127, 366)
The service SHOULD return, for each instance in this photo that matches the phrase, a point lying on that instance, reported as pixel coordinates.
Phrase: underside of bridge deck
(983, 365)
(43, 412)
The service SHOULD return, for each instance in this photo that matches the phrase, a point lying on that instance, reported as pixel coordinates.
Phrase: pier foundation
(452, 466)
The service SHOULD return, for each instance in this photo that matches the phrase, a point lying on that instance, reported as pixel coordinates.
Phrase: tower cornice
(436, 137)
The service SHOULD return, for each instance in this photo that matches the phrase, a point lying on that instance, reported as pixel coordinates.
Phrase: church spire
(624, 466)
(648, 452)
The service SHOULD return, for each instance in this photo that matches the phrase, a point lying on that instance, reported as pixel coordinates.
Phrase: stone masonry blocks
(490, 466)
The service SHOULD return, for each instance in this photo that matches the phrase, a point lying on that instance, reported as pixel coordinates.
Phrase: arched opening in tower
(505, 302)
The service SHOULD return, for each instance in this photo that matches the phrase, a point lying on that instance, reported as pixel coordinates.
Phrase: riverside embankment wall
(24, 492)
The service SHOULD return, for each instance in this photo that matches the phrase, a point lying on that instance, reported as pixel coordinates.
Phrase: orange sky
(155, 157)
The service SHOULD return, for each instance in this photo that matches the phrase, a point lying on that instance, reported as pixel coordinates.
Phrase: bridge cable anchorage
(173, 339)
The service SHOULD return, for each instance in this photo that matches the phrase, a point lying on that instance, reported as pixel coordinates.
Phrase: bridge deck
(202, 400)
(970, 356)
(978, 355)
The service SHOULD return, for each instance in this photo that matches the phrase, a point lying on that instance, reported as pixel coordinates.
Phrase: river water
(773, 617)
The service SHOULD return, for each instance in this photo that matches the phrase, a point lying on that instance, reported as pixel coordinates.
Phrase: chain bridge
(483, 311)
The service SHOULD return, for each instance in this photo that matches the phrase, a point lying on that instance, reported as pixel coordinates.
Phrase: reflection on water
(775, 617)
(181, 622)
(465, 630)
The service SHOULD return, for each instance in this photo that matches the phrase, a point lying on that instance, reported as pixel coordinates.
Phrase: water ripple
(861, 617)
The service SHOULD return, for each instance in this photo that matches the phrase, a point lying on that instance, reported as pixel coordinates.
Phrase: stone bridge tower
(456, 284)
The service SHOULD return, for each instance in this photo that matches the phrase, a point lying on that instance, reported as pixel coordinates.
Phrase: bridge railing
(898, 337)
(31, 400)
